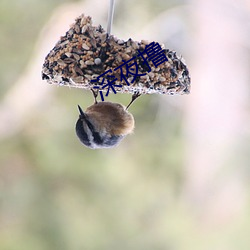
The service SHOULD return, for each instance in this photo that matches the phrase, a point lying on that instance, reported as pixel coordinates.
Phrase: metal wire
(110, 15)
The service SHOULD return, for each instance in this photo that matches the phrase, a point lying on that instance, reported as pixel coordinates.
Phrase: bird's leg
(95, 94)
(134, 97)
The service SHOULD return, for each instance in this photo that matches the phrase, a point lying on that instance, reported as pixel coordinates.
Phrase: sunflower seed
(85, 46)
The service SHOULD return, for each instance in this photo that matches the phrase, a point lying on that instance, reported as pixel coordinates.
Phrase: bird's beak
(82, 115)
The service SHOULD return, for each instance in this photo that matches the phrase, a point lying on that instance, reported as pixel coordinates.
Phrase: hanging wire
(110, 15)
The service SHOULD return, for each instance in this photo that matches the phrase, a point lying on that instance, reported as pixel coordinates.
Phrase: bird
(104, 124)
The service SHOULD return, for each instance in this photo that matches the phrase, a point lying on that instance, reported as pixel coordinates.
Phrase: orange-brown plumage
(110, 117)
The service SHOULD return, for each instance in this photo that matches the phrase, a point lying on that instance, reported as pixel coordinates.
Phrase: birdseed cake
(87, 55)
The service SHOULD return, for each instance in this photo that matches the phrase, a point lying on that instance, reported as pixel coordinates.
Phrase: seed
(77, 51)
(64, 43)
(69, 60)
(120, 42)
(83, 21)
(98, 61)
(93, 43)
(85, 46)
(118, 58)
(78, 70)
(68, 54)
(88, 62)
(89, 72)
(126, 57)
(61, 62)
(88, 77)
(77, 79)
(134, 45)
(77, 57)
(128, 50)
(103, 37)
(84, 28)
(77, 29)
(151, 74)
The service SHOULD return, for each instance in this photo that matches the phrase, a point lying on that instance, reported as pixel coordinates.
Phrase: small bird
(104, 124)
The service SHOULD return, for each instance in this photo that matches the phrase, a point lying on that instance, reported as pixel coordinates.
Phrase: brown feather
(111, 117)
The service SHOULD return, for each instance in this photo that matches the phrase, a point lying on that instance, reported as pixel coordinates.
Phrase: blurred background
(180, 182)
